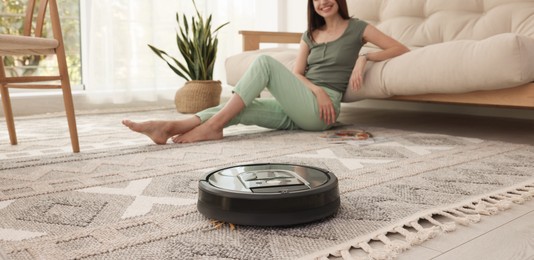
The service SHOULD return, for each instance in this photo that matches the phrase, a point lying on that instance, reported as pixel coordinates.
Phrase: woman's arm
(327, 112)
(390, 48)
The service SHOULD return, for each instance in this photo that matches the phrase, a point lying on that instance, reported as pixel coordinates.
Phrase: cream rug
(125, 198)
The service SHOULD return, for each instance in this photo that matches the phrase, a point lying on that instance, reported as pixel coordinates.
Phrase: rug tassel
(472, 218)
(516, 198)
(525, 194)
(468, 209)
(485, 208)
(425, 233)
(447, 226)
(528, 192)
(459, 220)
(501, 203)
(397, 246)
(411, 238)
(345, 254)
(339, 253)
(376, 254)
(509, 196)
(504, 201)
(479, 208)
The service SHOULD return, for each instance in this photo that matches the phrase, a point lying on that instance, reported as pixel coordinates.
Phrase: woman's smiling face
(326, 8)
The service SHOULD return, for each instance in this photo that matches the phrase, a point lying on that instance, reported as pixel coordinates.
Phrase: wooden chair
(32, 42)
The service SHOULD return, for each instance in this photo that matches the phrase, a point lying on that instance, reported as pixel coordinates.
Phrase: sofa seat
(501, 61)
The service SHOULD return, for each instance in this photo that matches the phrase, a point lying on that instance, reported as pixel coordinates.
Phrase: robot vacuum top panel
(268, 178)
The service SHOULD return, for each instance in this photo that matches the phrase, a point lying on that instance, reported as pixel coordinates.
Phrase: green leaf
(197, 45)
(163, 54)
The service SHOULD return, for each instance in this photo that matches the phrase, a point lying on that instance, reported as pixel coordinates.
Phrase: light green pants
(294, 105)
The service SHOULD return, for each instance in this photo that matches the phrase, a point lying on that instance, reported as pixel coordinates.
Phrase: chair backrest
(39, 14)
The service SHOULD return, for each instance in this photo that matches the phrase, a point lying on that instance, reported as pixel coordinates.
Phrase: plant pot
(197, 95)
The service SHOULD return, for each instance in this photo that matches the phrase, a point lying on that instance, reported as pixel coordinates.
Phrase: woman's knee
(264, 58)
(265, 61)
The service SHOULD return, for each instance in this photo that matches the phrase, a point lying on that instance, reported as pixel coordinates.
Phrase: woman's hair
(316, 21)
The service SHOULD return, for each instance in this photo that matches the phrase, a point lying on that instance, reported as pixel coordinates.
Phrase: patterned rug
(123, 197)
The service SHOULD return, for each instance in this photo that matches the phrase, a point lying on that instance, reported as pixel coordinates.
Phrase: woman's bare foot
(203, 132)
(161, 131)
(158, 131)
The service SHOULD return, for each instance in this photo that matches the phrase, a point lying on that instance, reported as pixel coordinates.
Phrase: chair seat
(25, 45)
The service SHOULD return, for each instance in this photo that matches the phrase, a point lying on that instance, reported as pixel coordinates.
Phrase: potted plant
(197, 44)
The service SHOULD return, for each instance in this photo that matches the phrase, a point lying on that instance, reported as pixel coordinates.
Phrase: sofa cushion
(500, 61)
(418, 23)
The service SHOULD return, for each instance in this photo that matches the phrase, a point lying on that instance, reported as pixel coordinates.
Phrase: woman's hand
(356, 78)
(327, 113)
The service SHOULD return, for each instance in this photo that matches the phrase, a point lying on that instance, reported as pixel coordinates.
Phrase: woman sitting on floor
(308, 98)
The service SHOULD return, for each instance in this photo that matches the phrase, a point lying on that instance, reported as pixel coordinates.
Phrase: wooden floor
(508, 235)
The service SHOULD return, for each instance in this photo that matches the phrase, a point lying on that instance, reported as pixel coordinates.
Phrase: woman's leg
(296, 100)
(264, 112)
(295, 105)
(212, 129)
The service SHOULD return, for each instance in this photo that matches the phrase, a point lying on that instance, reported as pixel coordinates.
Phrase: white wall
(258, 15)
(296, 15)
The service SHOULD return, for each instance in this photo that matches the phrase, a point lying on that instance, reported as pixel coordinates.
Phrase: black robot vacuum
(268, 194)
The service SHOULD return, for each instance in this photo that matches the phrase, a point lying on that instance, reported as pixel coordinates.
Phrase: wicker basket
(197, 95)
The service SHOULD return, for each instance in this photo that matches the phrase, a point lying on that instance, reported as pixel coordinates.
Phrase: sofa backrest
(418, 23)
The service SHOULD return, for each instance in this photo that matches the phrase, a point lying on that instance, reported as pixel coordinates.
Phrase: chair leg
(71, 118)
(67, 92)
(8, 113)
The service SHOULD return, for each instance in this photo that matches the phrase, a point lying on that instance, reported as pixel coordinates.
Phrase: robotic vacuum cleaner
(268, 194)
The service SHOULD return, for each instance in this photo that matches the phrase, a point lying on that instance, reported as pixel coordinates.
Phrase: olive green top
(330, 64)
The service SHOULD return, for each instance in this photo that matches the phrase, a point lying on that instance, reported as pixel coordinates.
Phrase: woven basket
(197, 95)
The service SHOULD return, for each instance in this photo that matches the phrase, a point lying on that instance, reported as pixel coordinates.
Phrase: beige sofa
(463, 51)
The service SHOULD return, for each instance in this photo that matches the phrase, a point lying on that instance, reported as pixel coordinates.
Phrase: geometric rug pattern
(123, 197)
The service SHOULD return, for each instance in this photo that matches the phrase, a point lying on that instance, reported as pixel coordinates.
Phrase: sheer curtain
(120, 68)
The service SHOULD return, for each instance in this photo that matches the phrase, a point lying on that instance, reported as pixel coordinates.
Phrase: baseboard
(52, 103)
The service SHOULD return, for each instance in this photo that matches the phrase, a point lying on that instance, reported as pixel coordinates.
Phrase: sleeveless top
(330, 64)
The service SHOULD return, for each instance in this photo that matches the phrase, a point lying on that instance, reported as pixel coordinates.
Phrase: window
(112, 36)
(120, 68)
(11, 22)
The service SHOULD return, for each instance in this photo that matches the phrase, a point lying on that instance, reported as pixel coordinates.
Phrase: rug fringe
(436, 222)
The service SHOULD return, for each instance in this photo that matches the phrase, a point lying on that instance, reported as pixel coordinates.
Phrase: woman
(308, 99)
